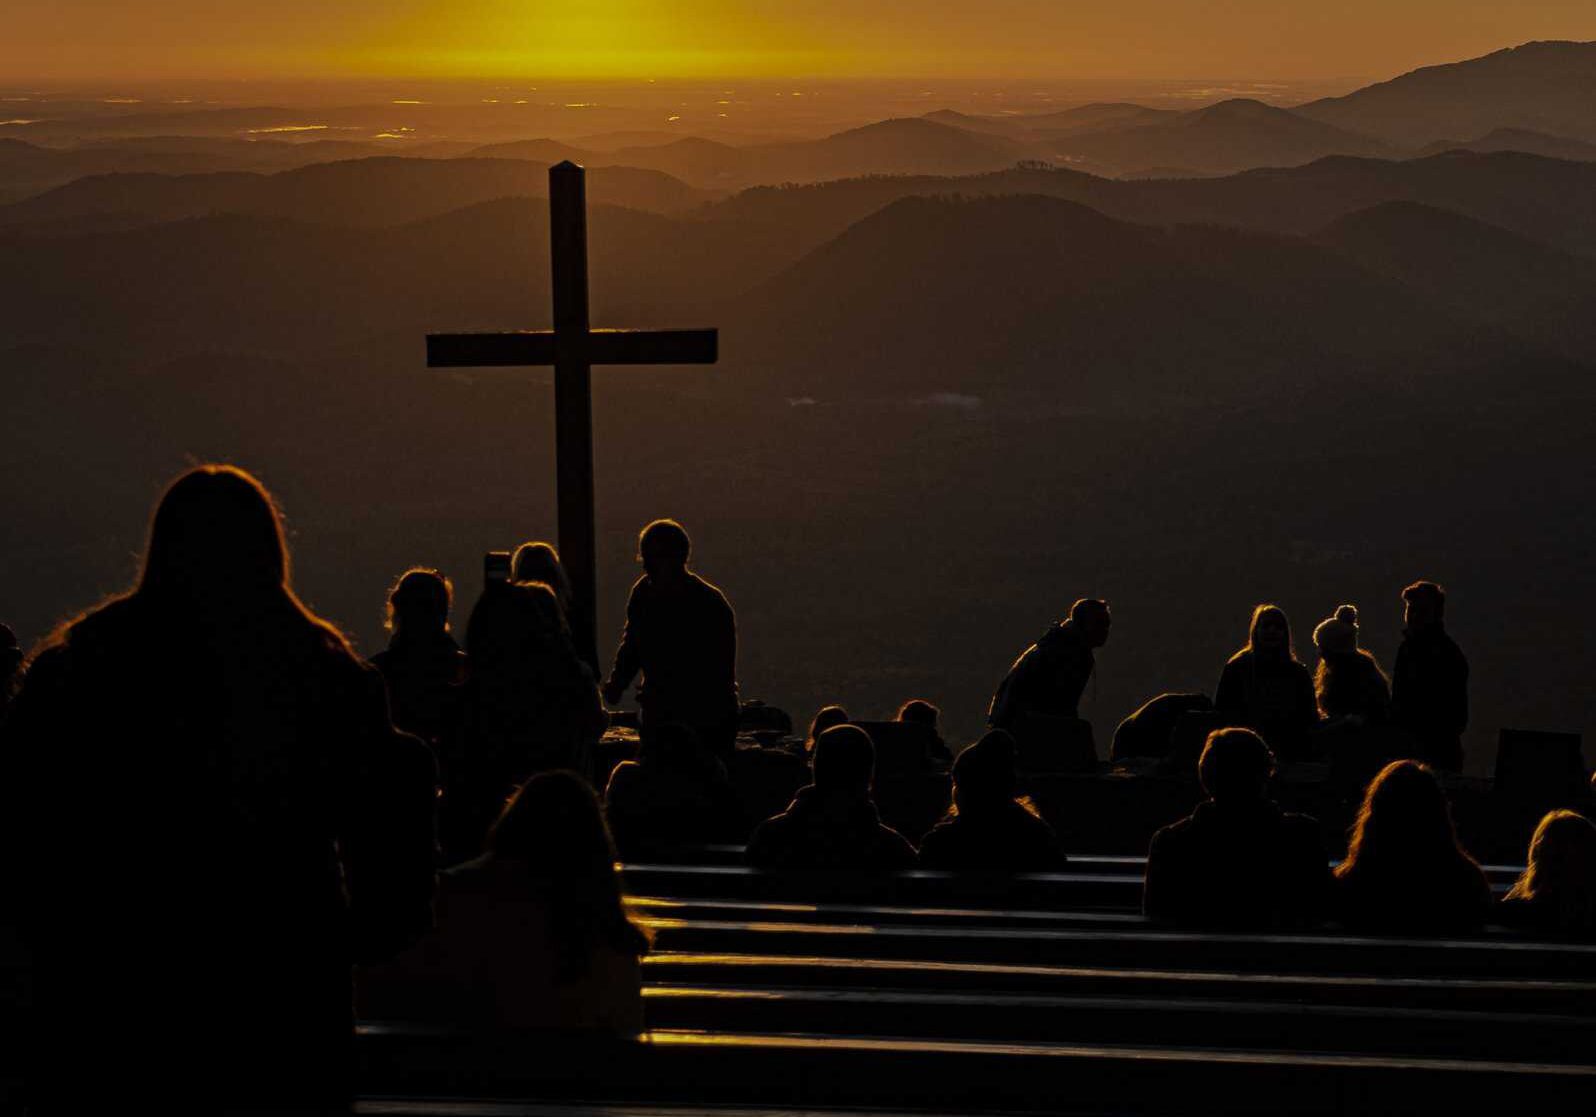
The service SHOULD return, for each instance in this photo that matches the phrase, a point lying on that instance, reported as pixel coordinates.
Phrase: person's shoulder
(898, 850)
(623, 777)
(1239, 659)
(1175, 835)
(706, 589)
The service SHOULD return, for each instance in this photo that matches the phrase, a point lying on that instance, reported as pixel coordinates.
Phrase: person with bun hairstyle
(1349, 685)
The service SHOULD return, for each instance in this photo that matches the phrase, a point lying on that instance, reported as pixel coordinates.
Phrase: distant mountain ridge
(1540, 86)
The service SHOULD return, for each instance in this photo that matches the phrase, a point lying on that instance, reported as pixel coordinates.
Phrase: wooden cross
(572, 347)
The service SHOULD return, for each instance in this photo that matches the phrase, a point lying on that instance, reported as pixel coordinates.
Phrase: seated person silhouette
(531, 935)
(824, 719)
(681, 634)
(1149, 732)
(673, 797)
(540, 562)
(1405, 870)
(1556, 893)
(832, 826)
(530, 705)
(1430, 680)
(1267, 689)
(423, 666)
(917, 711)
(10, 668)
(1038, 701)
(208, 818)
(1238, 861)
(988, 830)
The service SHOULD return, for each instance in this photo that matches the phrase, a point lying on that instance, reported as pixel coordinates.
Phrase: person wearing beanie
(1349, 685)
(987, 829)
(1238, 861)
(832, 828)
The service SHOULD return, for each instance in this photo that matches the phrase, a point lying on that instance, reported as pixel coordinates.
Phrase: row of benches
(1051, 995)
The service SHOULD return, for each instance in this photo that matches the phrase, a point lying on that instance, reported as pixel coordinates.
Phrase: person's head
(1269, 635)
(1403, 825)
(514, 623)
(1338, 634)
(824, 719)
(1235, 766)
(917, 711)
(985, 775)
(664, 548)
(844, 761)
(554, 826)
(1090, 617)
(1425, 606)
(419, 603)
(216, 541)
(1561, 868)
(540, 562)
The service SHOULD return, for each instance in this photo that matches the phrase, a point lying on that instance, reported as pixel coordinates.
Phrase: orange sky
(128, 40)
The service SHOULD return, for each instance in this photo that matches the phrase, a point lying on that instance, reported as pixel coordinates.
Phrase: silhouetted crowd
(214, 807)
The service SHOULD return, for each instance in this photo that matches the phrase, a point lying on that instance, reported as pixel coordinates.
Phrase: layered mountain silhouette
(372, 191)
(1232, 135)
(1520, 139)
(1543, 87)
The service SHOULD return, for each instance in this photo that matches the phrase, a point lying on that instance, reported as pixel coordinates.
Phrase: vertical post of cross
(573, 401)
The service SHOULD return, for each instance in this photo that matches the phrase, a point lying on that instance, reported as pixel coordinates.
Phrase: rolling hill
(1542, 86)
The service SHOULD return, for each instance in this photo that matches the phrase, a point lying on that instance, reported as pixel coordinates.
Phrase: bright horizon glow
(639, 39)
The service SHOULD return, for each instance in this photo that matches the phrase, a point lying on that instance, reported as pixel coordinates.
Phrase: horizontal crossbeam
(604, 347)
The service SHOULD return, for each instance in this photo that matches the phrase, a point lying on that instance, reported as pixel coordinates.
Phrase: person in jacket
(1050, 676)
(1430, 680)
(832, 826)
(681, 635)
(987, 829)
(1405, 869)
(1266, 688)
(209, 818)
(1238, 861)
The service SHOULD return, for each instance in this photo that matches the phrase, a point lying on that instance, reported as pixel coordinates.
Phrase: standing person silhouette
(1266, 688)
(681, 635)
(540, 562)
(1430, 680)
(212, 813)
(423, 666)
(531, 705)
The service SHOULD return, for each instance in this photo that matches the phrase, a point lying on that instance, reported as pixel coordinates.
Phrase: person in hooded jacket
(832, 826)
(1238, 861)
